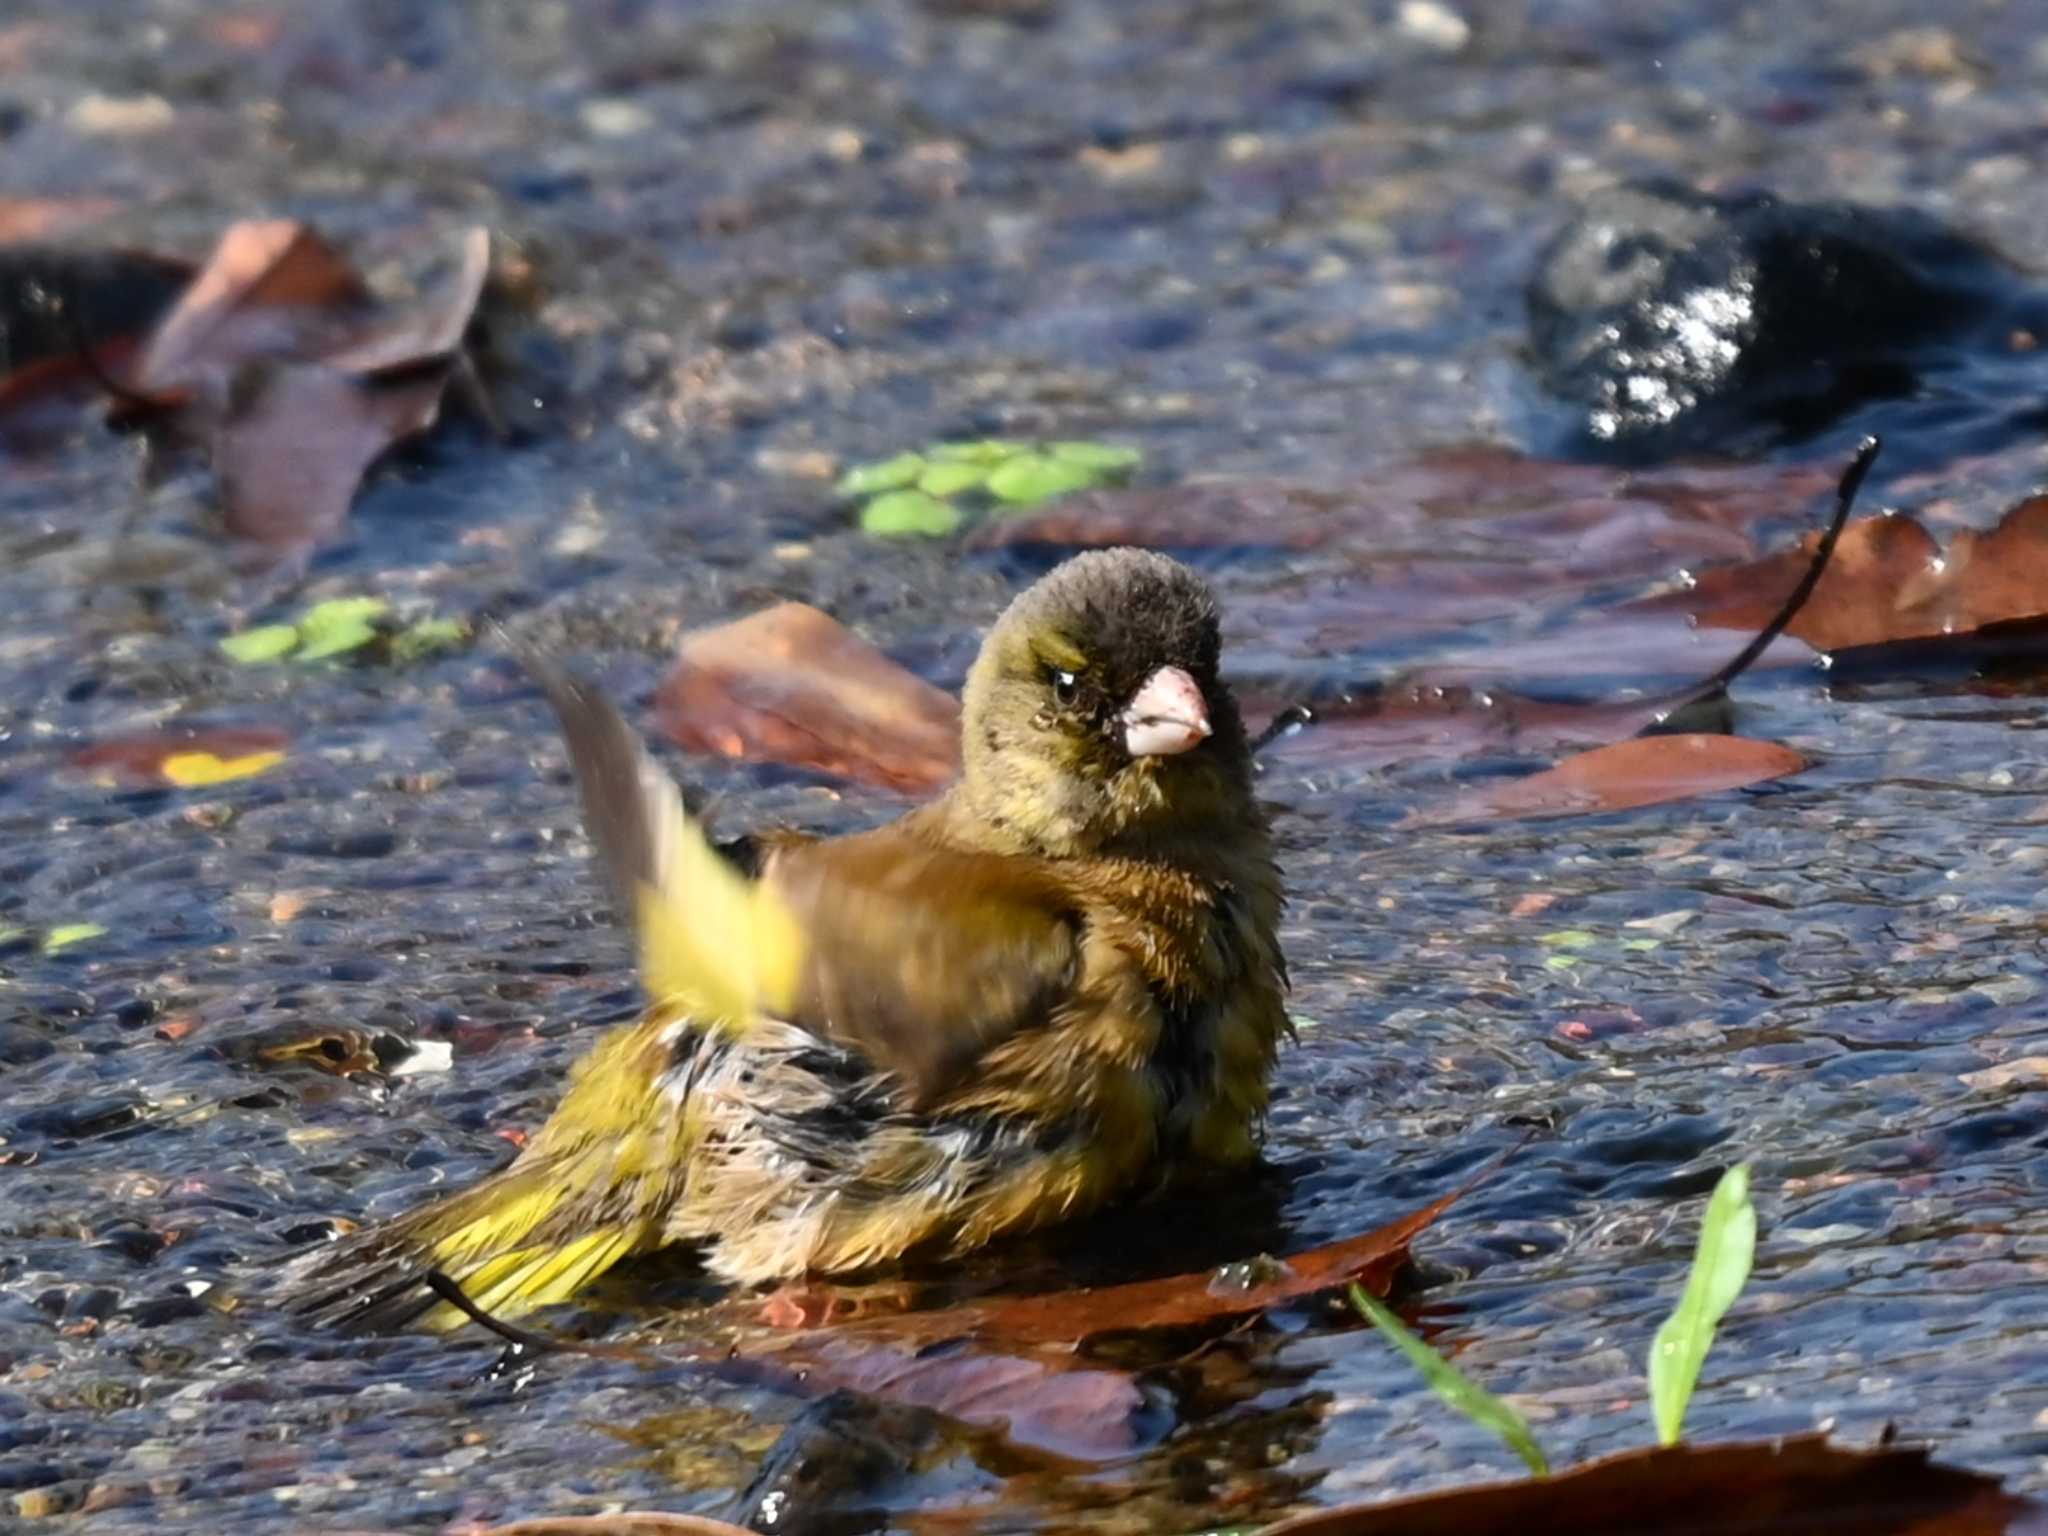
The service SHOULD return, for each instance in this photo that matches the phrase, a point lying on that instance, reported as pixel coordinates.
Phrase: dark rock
(822, 1476)
(1676, 321)
(50, 298)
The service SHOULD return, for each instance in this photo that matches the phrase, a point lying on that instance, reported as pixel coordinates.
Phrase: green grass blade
(1453, 1386)
(1720, 1268)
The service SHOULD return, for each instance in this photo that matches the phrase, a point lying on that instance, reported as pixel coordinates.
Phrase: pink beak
(1166, 716)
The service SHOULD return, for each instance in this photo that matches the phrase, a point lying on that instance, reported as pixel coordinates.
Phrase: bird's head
(1094, 718)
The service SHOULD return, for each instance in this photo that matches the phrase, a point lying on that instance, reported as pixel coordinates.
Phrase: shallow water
(1272, 240)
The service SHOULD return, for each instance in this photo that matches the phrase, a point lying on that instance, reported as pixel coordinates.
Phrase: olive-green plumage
(1005, 1008)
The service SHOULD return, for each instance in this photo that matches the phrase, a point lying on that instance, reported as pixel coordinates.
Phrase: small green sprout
(1720, 1268)
(1452, 1385)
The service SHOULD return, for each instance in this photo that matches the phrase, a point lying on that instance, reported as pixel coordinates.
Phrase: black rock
(821, 1478)
(1676, 321)
(51, 299)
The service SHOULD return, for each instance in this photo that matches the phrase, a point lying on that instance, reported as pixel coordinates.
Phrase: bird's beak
(1166, 716)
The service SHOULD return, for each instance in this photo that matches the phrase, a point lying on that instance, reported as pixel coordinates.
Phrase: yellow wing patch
(713, 944)
(515, 1283)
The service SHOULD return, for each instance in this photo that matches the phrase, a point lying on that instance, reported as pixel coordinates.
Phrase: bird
(1055, 984)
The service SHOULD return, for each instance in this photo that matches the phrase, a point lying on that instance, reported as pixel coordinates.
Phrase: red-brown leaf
(1746, 1489)
(792, 685)
(1014, 1362)
(1645, 770)
(1043, 1401)
(141, 757)
(294, 444)
(271, 288)
(1889, 580)
(430, 331)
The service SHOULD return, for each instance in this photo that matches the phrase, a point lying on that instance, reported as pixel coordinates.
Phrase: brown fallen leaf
(1042, 1403)
(1891, 580)
(1423, 721)
(277, 359)
(433, 330)
(1790, 1486)
(271, 288)
(141, 758)
(295, 440)
(1644, 770)
(792, 685)
(1065, 1320)
(1014, 1363)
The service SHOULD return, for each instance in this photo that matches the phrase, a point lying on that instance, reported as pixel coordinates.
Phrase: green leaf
(426, 637)
(1720, 1267)
(340, 625)
(950, 479)
(1569, 938)
(1031, 478)
(1453, 1386)
(990, 450)
(267, 642)
(909, 515)
(1104, 458)
(881, 475)
(64, 935)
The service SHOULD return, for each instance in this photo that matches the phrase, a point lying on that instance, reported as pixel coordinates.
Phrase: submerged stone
(1679, 321)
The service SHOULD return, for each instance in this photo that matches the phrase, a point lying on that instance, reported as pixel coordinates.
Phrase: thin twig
(1285, 723)
(1845, 501)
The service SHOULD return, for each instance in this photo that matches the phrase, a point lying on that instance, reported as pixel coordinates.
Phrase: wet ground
(1253, 239)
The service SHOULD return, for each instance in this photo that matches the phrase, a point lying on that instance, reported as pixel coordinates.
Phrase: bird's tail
(521, 1239)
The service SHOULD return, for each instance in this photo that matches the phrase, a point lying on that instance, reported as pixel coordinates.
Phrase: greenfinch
(1021, 1000)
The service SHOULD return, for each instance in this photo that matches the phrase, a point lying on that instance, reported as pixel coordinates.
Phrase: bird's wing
(921, 958)
(917, 957)
(713, 942)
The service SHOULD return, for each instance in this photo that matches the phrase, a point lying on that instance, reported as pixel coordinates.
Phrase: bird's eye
(1066, 687)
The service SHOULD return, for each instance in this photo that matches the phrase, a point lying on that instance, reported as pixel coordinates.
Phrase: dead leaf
(147, 758)
(1065, 1320)
(296, 440)
(430, 331)
(1890, 580)
(271, 288)
(1644, 770)
(1045, 1403)
(1013, 1363)
(1798, 1485)
(792, 685)
(279, 362)
(1422, 721)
